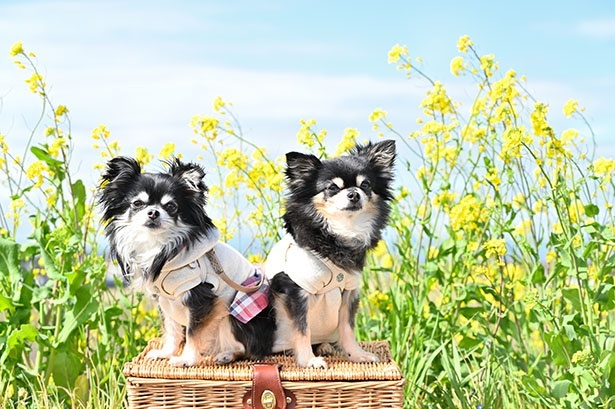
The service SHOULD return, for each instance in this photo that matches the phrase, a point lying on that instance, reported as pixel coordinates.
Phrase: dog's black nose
(153, 214)
(353, 196)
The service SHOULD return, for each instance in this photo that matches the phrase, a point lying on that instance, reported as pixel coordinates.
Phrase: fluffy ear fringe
(120, 169)
(191, 173)
(381, 155)
(299, 166)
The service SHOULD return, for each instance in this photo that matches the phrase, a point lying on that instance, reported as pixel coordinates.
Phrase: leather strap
(267, 391)
(215, 264)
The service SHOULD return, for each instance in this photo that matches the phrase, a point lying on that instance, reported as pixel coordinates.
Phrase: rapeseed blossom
(349, 139)
(36, 172)
(457, 65)
(36, 83)
(437, 101)
(570, 107)
(167, 150)
(143, 156)
(305, 135)
(468, 214)
(495, 247)
(396, 52)
(16, 49)
(603, 167)
(464, 43)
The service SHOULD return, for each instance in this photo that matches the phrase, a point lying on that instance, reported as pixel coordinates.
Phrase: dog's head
(349, 194)
(145, 213)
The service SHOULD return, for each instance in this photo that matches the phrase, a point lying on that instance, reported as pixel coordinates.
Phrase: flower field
(494, 286)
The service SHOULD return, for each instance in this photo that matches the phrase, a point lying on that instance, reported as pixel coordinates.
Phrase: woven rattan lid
(339, 367)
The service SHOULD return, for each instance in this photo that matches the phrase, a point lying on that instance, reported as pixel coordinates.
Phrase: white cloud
(603, 28)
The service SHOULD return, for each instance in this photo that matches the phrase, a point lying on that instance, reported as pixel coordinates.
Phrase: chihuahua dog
(336, 210)
(211, 298)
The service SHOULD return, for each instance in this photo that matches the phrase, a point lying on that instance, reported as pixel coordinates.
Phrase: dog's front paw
(224, 358)
(183, 361)
(363, 356)
(159, 354)
(325, 349)
(317, 362)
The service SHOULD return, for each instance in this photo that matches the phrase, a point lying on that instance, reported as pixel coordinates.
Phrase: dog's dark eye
(138, 204)
(333, 189)
(365, 185)
(170, 207)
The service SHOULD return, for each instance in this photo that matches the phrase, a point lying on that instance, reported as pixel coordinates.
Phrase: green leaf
(561, 388)
(606, 295)
(6, 304)
(9, 259)
(591, 210)
(79, 193)
(84, 308)
(538, 275)
(17, 338)
(66, 367)
(573, 297)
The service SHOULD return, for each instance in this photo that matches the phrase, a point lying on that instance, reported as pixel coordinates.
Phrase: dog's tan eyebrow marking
(339, 182)
(360, 179)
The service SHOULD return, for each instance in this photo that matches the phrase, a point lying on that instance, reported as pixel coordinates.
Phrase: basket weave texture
(344, 384)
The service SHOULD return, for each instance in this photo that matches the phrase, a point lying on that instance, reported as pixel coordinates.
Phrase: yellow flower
(495, 247)
(538, 117)
(35, 172)
(576, 211)
(205, 126)
(143, 156)
(571, 107)
(56, 146)
(349, 140)
(380, 300)
(219, 104)
(377, 115)
(557, 228)
(444, 199)
(100, 132)
(4, 148)
(602, 167)
(464, 43)
(233, 158)
(305, 135)
(519, 201)
(396, 52)
(493, 177)
(61, 110)
(513, 141)
(457, 66)
(52, 197)
(437, 101)
(16, 49)
(524, 228)
(167, 150)
(488, 64)
(468, 214)
(36, 83)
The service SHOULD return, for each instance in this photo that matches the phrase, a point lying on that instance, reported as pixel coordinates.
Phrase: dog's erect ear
(191, 173)
(381, 155)
(120, 170)
(300, 166)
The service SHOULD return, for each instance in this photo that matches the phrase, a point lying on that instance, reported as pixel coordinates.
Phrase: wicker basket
(344, 384)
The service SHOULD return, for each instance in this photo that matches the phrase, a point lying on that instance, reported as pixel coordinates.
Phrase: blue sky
(144, 68)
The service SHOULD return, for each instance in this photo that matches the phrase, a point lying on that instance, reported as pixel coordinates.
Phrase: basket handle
(267, 391)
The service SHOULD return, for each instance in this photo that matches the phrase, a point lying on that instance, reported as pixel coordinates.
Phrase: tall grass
(494, 286)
